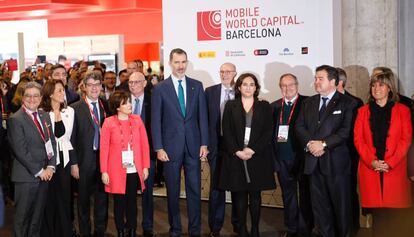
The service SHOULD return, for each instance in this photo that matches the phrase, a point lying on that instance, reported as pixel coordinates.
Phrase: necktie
(323, 107)
(36, 121)
(181, 97)
(96, 136)
(226, 98)
(286, 112)
(136, 109)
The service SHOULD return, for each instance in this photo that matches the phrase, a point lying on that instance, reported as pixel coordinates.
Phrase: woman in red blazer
(382, 136)
(124, 160)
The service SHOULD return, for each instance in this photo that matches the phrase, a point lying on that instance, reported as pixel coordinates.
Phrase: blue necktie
(323, 107)
(96, 136)
(136, 109)
(181, 97)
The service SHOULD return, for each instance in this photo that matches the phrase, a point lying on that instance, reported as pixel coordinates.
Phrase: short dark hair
(177, 51)
(117, 99)
(331, 71)
(342, 75)
(92, 75)
(122, 71)
(56, 66)
(48, 90)
(239, 82)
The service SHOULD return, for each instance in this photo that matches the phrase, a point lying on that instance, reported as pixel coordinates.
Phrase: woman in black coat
(247, 166)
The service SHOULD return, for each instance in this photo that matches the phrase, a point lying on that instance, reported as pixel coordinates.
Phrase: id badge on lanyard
(49, 149)
(128, 157)
(283, 133)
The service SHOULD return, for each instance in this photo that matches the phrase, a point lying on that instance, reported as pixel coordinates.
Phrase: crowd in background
(335, 156)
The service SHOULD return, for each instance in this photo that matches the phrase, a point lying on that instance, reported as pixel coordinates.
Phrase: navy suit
(330, 173)
(181, 137)
(71, 96)
(217, 198)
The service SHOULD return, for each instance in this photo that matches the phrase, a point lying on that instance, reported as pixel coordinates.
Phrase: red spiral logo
(209, 25)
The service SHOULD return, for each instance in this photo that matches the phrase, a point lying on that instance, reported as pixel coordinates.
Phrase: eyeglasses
(132, 83)
(288, 85)
(93, 85)
(226, 72)
(36, 96)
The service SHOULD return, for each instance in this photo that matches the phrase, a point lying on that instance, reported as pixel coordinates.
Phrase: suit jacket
(63, 143)
(146, 107)
(260, 166)
(111, 148)
(172, 131)
(71, 96)
(83, 132)
(334, 128)
(213, 95)
(396, 186)
(28, 147)
(297, 146)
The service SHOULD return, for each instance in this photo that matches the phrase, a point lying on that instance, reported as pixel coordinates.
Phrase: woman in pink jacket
(124, 157)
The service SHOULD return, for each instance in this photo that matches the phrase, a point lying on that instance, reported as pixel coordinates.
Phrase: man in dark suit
(141, 105)
(216, 97)
(290, 158)
(352, 152)
(323, 128)
(89, 116)
(58, 72)
(180, 138)
(33, 148)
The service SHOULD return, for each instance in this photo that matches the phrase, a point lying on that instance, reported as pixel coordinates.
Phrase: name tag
(127, 158)
(247, 135)
(283, 133)
(49, 149)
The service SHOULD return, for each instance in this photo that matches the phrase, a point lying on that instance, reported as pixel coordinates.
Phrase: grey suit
(29, 153)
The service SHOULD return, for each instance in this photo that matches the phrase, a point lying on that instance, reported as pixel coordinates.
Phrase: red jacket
(111, 152)
(396, 186)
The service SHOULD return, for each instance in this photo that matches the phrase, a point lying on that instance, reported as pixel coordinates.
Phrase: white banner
(268, 38)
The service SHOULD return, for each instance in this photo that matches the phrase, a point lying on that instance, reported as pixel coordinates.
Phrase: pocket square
(337, 112)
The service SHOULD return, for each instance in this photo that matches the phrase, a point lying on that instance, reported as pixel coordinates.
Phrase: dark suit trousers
(331, 203)
(125, 205)
(148, 200)
(217, 199)
(90, 184)
(30, 204)
(172, 174)
(297, 213)
(242, 200)
(57, 220)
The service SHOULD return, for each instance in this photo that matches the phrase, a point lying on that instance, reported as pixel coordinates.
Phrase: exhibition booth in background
(267, 37)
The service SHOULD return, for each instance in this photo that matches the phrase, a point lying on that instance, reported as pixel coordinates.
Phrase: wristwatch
(324, 144)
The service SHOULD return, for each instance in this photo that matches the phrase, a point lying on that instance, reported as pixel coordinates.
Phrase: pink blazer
(111, 152)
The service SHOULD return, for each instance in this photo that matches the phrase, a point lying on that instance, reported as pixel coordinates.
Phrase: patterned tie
(323, 107)
(136, 109)
(181, 97)
(96, 136)
(226, 98)
(36, 121)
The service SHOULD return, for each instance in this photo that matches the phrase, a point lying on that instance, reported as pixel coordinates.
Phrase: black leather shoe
(215, 234)
(132, 233)
(121, 233)
(148, 233)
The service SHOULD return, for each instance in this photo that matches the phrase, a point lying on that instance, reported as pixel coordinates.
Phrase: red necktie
(38, 125)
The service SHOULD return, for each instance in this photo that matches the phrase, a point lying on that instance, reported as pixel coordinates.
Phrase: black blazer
(334, 128)
(146, 106)
(213, 95)
(260, 166)
(297, 147)
(83, 133)
(71, 96)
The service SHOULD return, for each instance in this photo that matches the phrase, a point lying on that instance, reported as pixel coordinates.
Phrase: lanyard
(122, 134)
(291, 111)
(2, 106)
(38, 129)
(95, 119)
